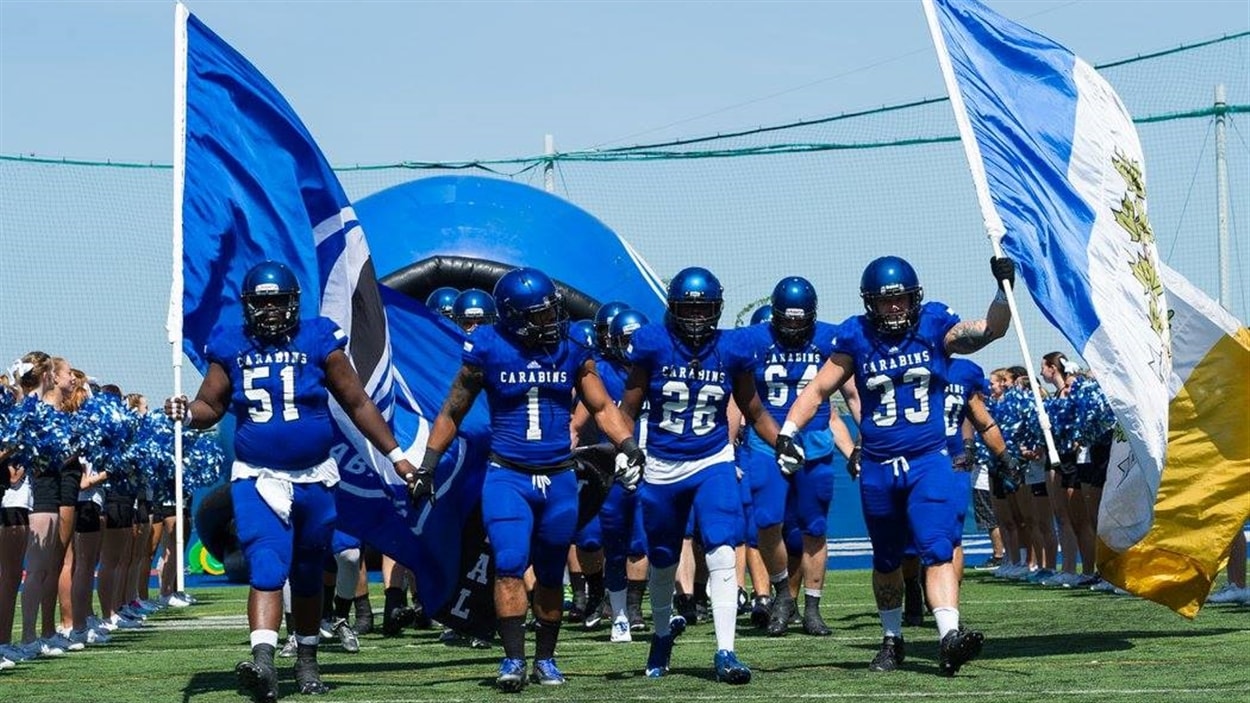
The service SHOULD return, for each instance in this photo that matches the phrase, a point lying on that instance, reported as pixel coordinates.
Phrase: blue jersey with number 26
(278, 393)
(530, 395)
(688, 393)
(901, 382)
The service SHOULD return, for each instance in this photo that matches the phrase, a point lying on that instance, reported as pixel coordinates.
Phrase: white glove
(630, 461)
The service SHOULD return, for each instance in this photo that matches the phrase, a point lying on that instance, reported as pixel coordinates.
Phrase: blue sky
(381, 82)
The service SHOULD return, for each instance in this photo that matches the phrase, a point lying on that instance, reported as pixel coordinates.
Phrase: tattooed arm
(972, 335)
(460, 398)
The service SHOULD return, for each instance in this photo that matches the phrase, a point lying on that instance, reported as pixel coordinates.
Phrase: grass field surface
(1042, 644)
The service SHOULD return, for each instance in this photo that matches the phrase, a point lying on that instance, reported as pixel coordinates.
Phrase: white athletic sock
(618, 601)
(891, 622)
(269, 637)
(722, 589)
(947, 620)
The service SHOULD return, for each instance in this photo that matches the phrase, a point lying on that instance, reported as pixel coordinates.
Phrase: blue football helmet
(763, 313)
(473, 307)
(794, 311)
(603, 324)
(888, 277)
(270, 300)
(443, 301)
(624, 325)
(583, 332)
(695, 299)
(531, 308)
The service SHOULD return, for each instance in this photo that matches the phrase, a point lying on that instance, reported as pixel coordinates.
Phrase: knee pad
(348, 558)
(722, 557)
(510, 562)
(267, 570)
(938, 552)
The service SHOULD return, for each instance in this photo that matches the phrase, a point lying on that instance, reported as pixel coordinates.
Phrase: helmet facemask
(694, 321)
(898, 321)
(271, 314)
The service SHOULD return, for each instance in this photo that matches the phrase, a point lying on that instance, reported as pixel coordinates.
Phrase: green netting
(85, 262)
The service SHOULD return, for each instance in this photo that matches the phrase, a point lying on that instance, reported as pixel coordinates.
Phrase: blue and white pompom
(202, 459)
(43, 436)
(105, 427)
(1093, 417)
(1016, 417)
(1062, 413)
(151, 449)
(7, 400)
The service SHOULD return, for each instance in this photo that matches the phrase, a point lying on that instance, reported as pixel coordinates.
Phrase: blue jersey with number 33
(688, 393)
(530, 395)
(278, 393)
(901, 382)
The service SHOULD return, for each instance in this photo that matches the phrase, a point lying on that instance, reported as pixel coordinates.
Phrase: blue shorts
(526, 520)
(810, 495)
(590, 537)
(921, 499)
(623, 537)
(768, 486)
(711, 496)
(343, 542)
(276, 550)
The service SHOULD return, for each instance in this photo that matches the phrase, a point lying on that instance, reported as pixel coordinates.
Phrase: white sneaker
(289, 649)
(6, 663)
(89, 636)
(63, 643)
(12, 652)
(43, 648)
(620, 630)
(174, 600)
(1230, 593)
(122, 621)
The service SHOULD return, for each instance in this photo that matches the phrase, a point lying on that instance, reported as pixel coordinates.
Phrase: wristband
(396, 455)
(789, 429)
(627, 446)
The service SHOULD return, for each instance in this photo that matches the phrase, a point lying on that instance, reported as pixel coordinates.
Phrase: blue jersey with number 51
(688, 392)
(901, 381)
(530, 395)
(278, 393)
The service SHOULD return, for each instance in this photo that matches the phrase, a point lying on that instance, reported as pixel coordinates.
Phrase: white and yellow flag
(1204, 494)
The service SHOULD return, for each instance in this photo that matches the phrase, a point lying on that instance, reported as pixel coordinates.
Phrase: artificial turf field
(1042, 644)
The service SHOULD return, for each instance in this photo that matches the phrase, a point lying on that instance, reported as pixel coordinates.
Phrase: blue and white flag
(255, 187)
(1061, 179)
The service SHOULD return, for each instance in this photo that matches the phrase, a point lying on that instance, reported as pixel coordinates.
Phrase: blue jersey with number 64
(688, 391)
(278, 393)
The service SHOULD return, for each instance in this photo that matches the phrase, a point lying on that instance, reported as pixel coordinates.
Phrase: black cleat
(958, 648)
(779, 619)
(760, 609)
(396, 619)
(307, 673)
(685, 607)
(258, 677)
(364, 616)
(814, 625)
(637, 623)
(593, 614)
(744, 602)
(890, 656)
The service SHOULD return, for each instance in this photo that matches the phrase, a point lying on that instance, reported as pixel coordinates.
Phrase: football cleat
(257, 676)
(890, 656)
(814, 625)
(729, 669)
(958, 648)
(621, 631)
(779, 619)
(307, 673)
(511, 675)
(760, 610)
(660, 654)
(346, 636)
(546, 673)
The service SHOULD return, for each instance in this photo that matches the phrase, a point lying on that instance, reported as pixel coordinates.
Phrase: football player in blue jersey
(898, 352)
(442, 300)
(529, 369)
(619, 521)
(472, 308)
(687, 369)
(275, 374)
(791, 348)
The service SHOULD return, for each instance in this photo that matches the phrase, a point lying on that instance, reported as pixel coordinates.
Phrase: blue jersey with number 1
(901, 381)
(530, 395)
(278, 393)
(688, 391)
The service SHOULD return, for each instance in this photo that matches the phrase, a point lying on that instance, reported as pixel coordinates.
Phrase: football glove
(1004, 268)
(852, 463)
(1008, 470)
(790, 455)
(630, 460)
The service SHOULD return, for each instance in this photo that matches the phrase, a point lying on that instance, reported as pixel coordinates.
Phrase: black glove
(1004, 268)
(970, 453)
(1008, 470)
(421, 482)
(630, 461)
(852, 463)
(790, 456)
